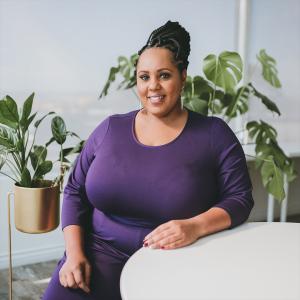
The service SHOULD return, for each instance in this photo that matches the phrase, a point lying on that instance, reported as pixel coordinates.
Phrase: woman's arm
(213, 220)
(73, 235)
(76, 271)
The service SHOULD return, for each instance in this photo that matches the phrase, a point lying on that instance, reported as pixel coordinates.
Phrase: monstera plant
(221, 93)
(24, 161)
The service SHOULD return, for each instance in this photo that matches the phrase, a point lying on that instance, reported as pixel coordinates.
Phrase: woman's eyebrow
(159, 70)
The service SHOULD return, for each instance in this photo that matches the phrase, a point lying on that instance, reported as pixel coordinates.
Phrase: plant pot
(36, 209)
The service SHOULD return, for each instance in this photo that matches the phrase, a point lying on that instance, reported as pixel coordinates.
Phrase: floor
(30, 281)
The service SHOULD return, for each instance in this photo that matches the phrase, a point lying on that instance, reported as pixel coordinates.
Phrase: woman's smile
(156, 99)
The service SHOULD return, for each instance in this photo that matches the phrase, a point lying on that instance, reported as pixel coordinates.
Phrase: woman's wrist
(199, 223)
(73, 235)
(213, 220)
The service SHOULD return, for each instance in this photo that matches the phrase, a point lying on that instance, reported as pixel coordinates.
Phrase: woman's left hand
(173, 234)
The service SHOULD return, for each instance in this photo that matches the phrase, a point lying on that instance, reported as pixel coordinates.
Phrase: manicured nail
(162, 247)
(146, 244)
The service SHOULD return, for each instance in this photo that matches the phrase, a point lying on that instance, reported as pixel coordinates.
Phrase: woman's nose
(154, 84)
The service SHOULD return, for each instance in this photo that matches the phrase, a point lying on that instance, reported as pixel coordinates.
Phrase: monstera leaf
(239, 103)
(265, 100)
(262, 132)
(269, 70)
(224, 71)
(126, 67)
(197, 104)
(273, 179)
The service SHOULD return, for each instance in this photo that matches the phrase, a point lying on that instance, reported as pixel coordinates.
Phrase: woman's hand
(173, 234)
(76, 272)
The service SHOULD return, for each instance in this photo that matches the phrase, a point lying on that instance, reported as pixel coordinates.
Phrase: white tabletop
(250, 262)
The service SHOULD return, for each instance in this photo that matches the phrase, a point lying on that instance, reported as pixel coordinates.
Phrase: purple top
(117, 180)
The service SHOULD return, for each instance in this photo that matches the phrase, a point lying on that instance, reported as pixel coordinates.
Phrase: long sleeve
(75, 203)
(234, 185)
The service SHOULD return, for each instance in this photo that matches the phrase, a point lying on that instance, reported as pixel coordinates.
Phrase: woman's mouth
(155, 99)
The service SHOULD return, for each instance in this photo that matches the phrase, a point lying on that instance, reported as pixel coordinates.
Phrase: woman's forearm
(213, 220)
(73, 235)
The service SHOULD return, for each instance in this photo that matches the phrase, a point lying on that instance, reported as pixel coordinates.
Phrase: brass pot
(36, 209)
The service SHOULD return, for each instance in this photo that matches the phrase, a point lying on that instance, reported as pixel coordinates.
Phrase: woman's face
(159, 82)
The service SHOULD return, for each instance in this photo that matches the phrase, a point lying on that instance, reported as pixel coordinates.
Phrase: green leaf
(198, 105)
(73, 150)
(38, 156)
(29, 121)
(239, 104)
(9, 115)
(59, 131)
(225, 70)
(25, 178)
(269, 70)
(265, 100)
(290, 171)
(8, 138)
(26, 110)
(71, 133)
(52, 139)
(3, 157)
(43, 169)
(38, 122)
(273, 179)
(111, 78)
(261, 132)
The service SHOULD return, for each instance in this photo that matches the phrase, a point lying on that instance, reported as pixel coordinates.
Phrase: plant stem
(12, 167)
(211, 100)
(8, 176)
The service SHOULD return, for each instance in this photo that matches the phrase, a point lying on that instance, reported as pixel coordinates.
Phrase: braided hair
(174, 37)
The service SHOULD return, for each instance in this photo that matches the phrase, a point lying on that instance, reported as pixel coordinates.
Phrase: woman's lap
(105, 280)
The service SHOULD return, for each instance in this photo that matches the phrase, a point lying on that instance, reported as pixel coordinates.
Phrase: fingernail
(146, 244)
(162, 247)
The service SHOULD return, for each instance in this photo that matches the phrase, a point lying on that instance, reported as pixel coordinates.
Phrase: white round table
(254, 261)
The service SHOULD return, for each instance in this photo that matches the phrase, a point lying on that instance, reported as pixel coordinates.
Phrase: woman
(162, 176)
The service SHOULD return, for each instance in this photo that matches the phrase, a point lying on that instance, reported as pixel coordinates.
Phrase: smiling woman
(162, 176)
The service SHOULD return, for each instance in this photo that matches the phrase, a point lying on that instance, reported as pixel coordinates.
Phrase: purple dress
(120, 190)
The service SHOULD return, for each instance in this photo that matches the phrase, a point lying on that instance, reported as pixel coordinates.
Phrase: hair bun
(173, 37)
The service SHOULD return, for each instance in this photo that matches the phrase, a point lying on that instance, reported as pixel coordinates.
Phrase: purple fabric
(120, 190)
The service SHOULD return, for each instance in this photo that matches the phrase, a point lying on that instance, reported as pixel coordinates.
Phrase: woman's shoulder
(106, 122)
(114, 120)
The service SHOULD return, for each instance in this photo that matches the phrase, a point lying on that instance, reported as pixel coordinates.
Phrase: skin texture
(159, 124)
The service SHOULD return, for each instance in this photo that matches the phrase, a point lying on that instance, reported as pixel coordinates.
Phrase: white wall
(63, 50)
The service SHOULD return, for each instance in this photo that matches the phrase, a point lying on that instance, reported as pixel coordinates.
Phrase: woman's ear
(183, 76)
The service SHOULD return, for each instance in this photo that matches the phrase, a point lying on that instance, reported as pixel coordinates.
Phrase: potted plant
(220, 92)
(36, 198)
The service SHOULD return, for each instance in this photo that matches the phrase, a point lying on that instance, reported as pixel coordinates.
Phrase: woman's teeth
(156, 99)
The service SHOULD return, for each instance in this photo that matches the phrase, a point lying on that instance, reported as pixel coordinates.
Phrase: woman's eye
(165, 75)
(162, 75)
(144, 77)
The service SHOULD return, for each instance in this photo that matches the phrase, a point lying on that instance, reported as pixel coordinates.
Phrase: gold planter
(36, 209)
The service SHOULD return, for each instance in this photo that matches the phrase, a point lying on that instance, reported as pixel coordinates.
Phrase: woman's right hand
(76, 272)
